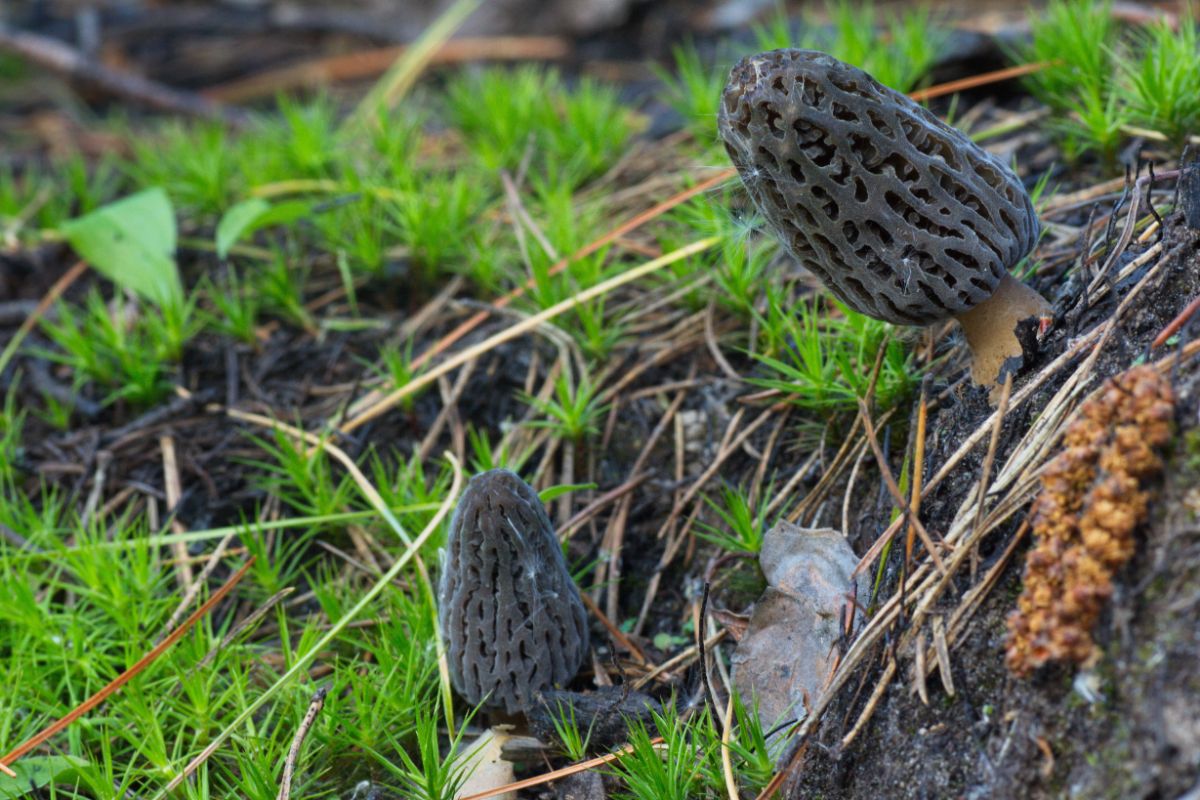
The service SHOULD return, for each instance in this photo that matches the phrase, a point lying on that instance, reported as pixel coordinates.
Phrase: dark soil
(1130, 727)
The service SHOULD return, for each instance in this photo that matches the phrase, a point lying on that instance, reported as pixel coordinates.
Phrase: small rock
(788, 650)
(580, 786)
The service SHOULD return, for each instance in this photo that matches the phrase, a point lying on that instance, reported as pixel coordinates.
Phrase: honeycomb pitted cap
(510, 614)
(901, 216)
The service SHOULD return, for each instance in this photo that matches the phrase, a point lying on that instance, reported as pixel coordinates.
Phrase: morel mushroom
(509, 611)
(901, 216)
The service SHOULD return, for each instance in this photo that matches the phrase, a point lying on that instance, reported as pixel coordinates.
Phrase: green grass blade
(403, 74)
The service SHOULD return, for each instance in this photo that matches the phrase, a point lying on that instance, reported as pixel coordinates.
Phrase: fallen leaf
(37, 773)
(132, 243)
(788, 647)
(484, 766)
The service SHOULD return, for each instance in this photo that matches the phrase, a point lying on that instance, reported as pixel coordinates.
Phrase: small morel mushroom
(901, 216)
(508, 609)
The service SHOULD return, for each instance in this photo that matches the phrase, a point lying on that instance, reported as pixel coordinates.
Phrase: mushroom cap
(901, 216)
(509, 612)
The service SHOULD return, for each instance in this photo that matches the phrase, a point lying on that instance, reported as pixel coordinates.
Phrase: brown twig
(289, 764)
(919, 672)
(55, 292)
(613, 630)
(1174, 325)
(593, 508)
(680, 658)
(174, 491)
(984, 480)
(722, 455)
(714, 348)
(674, 543)
(129, 674)
(782, 775)
(194, 586)
(890, 481)
(538, 780)
(372, 63)
(1130, 223)
(970, 604)
(700, 624)
(942, 651)
(876, 695)
(60, 57)
(975, 81)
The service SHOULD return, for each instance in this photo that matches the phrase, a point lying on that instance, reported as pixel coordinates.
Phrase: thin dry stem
(516, 331)
(129, 674)
(289, 764)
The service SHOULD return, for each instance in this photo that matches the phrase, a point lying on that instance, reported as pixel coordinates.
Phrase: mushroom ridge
(509, 611)
(901, 216)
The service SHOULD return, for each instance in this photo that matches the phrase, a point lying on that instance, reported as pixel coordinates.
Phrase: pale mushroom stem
(991, 328)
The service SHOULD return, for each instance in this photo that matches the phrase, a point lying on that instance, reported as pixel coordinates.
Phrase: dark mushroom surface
(901, 216)
(509, 611)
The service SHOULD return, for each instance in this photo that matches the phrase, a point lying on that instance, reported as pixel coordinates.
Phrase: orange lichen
(1092, 499)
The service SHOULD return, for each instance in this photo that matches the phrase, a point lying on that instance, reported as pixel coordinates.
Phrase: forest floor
(447, 288)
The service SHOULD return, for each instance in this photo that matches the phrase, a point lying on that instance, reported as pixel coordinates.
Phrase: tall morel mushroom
(901, 216)
(508, 609)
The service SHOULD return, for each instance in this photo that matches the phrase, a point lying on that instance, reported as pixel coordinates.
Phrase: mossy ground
(1125, 729)
(306, 315)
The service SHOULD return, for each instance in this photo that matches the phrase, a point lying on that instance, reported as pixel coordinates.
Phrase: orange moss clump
(1091, 501)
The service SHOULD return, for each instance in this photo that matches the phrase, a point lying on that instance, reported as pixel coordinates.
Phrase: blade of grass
(219, 533)
(538, 780)
(726, 754)
(403, 74)
(897, 495)
(373, 497)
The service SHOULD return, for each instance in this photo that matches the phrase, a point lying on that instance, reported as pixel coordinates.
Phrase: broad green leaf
(236, 221)
(132, 242)
(248, 216)
(37, 773)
